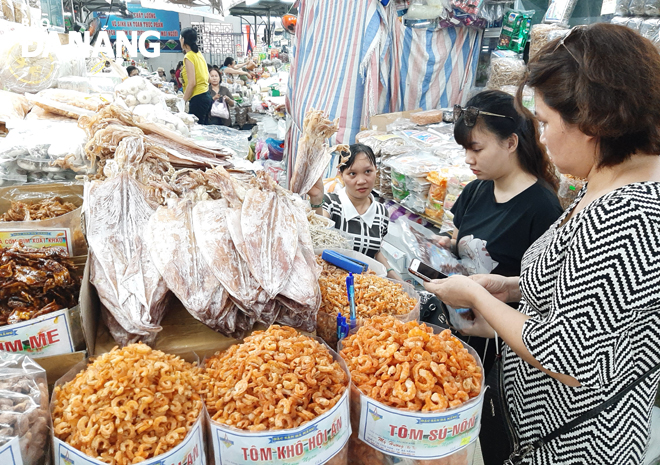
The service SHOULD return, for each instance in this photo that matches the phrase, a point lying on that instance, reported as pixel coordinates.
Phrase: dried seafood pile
(42, 210)
(229, 280)
(314, 153)
(34, 283)
(128, 405)
(162, 149)
(236, 388)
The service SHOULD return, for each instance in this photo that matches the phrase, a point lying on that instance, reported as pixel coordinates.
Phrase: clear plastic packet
(621, 20)
(13, 106)
(400, 124)
(637, 7)
(569, 188)
(650, 28)
(515, 30)
(542, 34)
(11, 174)
(652, 8)
(507, 68)
(214, 137)
(635, 23)
(559, 12)
(428, 9)
(21, 74)
(24, 417)
(21, 13)
(74, 98)
(7, 10)
(621, 8)
(413, 165)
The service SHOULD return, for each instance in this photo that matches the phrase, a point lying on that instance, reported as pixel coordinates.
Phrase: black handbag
(496, 419)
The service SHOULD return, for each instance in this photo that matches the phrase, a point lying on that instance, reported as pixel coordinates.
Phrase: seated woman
(353, 208)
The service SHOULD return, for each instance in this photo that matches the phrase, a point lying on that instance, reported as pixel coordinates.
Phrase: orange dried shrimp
(129, 405)
(276, 379)
(405, 365)
(373, 295)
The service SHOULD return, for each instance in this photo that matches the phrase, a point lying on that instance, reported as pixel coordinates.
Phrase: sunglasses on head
(470, 115)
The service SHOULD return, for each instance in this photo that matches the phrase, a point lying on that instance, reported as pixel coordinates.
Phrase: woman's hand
(216, 96)
(502, 288)
(480, 328)
(455, 291)
(442, 241)
(316, 192)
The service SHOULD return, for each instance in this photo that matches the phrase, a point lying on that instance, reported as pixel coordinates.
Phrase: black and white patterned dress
(592, 290)
(367, 230)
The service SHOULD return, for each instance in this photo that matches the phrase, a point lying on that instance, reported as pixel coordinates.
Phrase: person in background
(229, 67)
(161, 74)
(132, 71)
(179, 67)
(218, 92)
(353, 209)
(195, 77)
(173, 77)
(513, 201)
(589, 288)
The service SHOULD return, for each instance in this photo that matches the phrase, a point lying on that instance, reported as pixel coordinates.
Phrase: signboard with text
(145, 19)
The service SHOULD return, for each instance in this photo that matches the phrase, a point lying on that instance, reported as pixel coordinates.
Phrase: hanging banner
(145, 19)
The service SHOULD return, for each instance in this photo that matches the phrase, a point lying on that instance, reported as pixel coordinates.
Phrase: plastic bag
(220, 110)
(28, 74)
(635, 23)
(7, 10)
(21, 13)
(559, 12)
(506, 69)
(621, 8)
(24, 415)
(414, 164)
(13, 106)
(542, 34)
(515, 30)
(215, 137)
(428, 9)
(652, 8)
(637, 7)
(650, 29)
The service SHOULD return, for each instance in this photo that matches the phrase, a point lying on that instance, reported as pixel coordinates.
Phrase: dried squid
(174, 249)
(314, 153)
(128, 282)
(270, 234)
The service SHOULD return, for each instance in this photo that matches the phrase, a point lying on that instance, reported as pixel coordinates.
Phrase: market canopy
(260, 8)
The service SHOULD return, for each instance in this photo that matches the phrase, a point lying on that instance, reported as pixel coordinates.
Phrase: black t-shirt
(508, 228)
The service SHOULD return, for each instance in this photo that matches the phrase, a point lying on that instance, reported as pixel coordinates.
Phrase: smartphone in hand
(424, 271)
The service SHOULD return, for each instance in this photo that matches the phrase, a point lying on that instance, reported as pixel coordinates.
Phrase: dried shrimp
(405, 365)
(276, 379)
(129, 405)
(42, 210)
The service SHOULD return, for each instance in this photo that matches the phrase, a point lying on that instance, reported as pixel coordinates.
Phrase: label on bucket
(190, 451)
(313, 443)
(419, 435)
(10, 453)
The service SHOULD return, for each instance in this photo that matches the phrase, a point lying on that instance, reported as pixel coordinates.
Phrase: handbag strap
(579, 420)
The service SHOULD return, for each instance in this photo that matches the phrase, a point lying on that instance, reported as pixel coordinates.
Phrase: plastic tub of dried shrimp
(416, 394)
(374, 295)
(129, 405)
(278, 397)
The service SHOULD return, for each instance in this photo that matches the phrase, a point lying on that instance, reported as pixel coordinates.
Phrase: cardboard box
(381, 121)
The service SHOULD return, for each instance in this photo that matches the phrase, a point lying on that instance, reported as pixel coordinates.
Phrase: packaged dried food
(569, 188)
(559, 12)
(650, 29)
(137, 404)
(437, 191)
(515, 30)
(637, 7)
(22, 74)
(542, 34)
(36, 283)
(24, 419)
(422, 383)
(307, 421)
(506, 69)
(7, 10)
(424, 118)
(21, 12)
(13, 106)
(621, 8)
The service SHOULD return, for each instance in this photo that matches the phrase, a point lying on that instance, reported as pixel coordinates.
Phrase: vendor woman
(353, 208)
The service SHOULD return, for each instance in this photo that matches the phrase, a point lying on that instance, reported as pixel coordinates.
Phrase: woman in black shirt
(513, 201)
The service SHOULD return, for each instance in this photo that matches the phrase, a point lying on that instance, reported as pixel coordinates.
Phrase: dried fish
(128, 282)
(42, 210)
